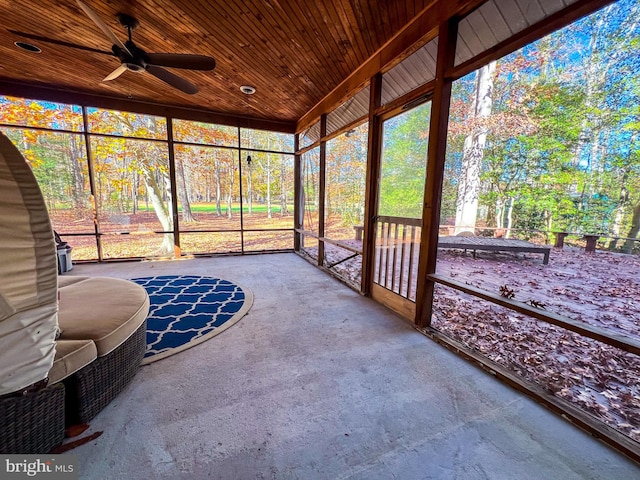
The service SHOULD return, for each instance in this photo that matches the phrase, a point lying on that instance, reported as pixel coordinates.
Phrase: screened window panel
(267, 189)
(345, 185)
(39, 113)
(133, 190)
(202, 243)
(310, 174)
(59, 163)
(204, 133)
(208, 183)
(265, 140)
(126, 124)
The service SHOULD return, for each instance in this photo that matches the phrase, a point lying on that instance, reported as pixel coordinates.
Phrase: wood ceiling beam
(37, 92)
(422, 27)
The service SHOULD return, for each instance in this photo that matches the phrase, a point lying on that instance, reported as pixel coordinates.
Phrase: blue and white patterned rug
(186, 310)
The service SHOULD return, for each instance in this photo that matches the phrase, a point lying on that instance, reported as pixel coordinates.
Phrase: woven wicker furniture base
(32, 423)
(92, 388)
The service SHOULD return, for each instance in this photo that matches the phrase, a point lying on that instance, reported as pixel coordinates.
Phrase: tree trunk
(549, 221)
(230, 196)
(207, 189)
(499, 213)
(134, 191)
(98, 194)
(635, 228)
(509, 218)
(623, 202)
(268, 185)
(618, 218)
(218, 190)
(163, 212)
(473, 151)
(250, 189)
(183, 196)
(283, 190)
(77, 187)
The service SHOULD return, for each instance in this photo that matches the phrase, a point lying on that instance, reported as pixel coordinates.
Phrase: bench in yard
(494, 245)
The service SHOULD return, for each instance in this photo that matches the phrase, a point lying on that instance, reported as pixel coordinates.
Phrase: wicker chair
(30, 421)
(83, 336)
(92, 388)
(33, 422)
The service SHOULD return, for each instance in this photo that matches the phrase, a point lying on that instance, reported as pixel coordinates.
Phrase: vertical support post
(240, 181)
(436, 156)
(92, 185)
(297, 194)
(174, 188)
(374, 148)
(322, 187)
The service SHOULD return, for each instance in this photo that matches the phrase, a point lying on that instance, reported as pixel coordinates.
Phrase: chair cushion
(105, 310)
(71, 356)
(66, 280)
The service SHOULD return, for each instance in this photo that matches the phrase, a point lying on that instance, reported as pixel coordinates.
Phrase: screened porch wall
(125, 185)
(453, 63)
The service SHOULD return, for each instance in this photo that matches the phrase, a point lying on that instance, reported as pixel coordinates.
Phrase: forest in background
(131, 179)
(544, 139)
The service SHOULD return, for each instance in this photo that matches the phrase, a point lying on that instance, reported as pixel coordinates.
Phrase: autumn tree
(57, 158)
(404, 160)
(346, 158)
(473, 151)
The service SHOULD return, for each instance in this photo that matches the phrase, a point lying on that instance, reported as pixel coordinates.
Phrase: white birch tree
(473, 151)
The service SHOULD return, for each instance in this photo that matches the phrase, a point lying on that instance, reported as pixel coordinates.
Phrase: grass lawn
(235, 208)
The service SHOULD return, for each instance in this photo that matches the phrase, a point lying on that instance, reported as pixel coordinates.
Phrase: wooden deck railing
(397, 245)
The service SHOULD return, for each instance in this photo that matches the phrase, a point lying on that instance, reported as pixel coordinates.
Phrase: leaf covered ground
(601, 289)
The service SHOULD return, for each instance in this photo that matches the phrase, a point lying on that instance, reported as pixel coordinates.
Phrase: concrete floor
(317, 382)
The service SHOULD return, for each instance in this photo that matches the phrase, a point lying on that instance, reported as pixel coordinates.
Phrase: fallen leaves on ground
(601, 289)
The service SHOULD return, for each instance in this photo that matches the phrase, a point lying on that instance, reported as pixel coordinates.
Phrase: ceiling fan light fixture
(28, 47)
(248, 89)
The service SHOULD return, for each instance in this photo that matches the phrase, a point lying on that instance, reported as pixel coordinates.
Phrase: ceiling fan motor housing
(136, 62)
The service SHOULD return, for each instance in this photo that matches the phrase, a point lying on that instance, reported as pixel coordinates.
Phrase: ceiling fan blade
(116, 73)
(58, 42)
(102, 26)
(173, 80)
(181, 60)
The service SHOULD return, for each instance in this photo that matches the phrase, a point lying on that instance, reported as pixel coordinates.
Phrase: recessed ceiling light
(248, 89)
(27, 46)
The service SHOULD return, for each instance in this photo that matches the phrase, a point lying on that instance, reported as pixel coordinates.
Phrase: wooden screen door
(403, 163)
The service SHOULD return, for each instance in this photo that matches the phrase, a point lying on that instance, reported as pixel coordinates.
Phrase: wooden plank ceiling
(293, 52)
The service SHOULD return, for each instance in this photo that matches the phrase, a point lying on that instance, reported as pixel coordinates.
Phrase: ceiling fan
(135, 59)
